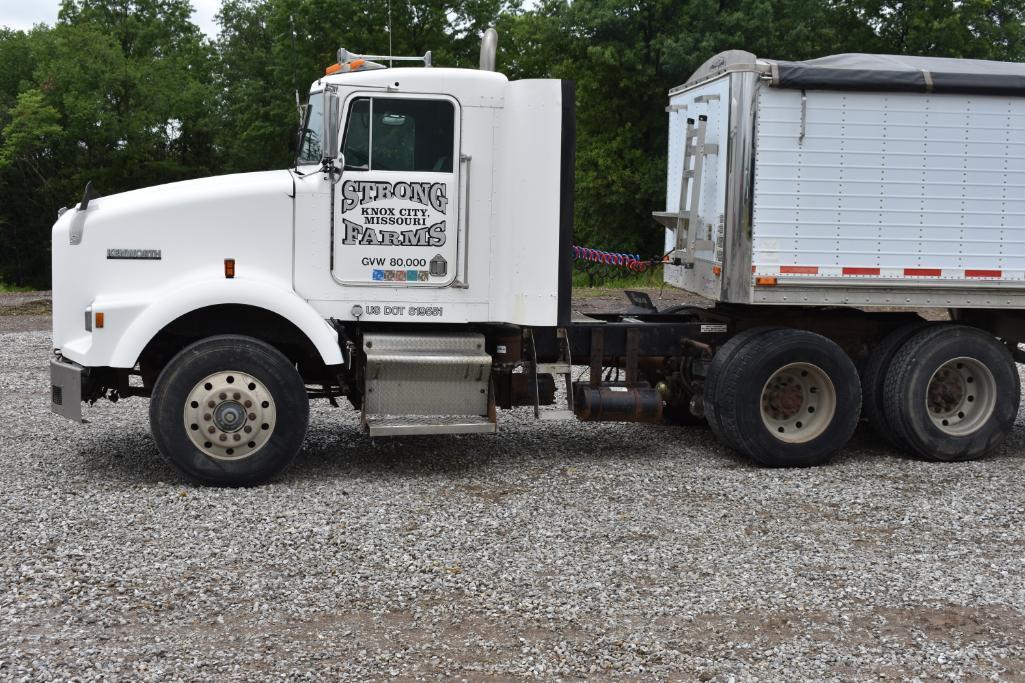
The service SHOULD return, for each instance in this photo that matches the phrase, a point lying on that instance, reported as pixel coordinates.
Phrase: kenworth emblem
(139, 254)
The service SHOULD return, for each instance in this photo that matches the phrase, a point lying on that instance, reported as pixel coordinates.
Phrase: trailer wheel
(873, 381)
(952, 393)
(790, 398)
(229, 411)
(713, 377)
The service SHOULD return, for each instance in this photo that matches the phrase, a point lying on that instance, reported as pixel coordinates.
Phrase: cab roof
(469, 86)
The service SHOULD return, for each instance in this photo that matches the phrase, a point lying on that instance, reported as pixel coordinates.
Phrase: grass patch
(6, 288)
(615, 279)
(37, 307)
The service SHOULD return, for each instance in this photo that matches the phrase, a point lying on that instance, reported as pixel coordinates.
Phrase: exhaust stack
(488, 48)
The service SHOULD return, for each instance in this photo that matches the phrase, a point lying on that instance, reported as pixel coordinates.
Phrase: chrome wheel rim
(798, 402)
(229, 415)
(961, 396)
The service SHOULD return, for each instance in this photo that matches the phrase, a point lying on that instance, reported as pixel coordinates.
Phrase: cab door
(396, 220)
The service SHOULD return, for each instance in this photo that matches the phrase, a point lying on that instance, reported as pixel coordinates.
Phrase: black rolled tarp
(897, 73)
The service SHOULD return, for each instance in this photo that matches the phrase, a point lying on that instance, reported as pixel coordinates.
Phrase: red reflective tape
(922, 272)
(799, 270)
(983, 273)
(860, 271)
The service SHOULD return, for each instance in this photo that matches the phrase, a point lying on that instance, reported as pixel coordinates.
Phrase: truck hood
(153, 240)
(191, 192)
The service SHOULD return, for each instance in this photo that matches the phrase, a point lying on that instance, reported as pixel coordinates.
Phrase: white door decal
(397, 227)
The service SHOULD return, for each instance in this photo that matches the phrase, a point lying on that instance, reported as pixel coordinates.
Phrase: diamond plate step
(426, 374)
(557, 415)
(411, 425)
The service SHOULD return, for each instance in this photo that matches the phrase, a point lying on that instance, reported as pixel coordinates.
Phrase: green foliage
(30, 133)
(5, 288)
(128, 93)
(623, 279)
(120, 93)
(977, 29)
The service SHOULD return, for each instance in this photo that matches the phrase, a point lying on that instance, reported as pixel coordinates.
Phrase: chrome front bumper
(66, 389)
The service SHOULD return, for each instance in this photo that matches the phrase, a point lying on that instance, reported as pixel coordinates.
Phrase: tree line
(129, 93)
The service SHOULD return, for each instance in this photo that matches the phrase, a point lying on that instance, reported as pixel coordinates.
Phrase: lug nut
(236, 396)
(252, 416)
(223, 437)
(248, 404)
(237, 437)
(210, 429)
(206, 416)
(223, 396)
(247, 429)
(211, 404)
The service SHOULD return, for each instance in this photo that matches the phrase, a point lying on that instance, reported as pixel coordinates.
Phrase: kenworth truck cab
(417, 261)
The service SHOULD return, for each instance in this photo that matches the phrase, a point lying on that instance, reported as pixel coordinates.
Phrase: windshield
(310, 151)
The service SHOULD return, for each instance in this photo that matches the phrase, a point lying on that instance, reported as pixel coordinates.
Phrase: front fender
(155, 316)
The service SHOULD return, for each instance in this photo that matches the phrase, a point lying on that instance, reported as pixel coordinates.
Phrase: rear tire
(952, 393)
(229, 411)
(790, 398)
(873, 381)
(717, 369)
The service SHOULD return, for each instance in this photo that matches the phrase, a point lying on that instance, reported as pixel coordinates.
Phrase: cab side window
(356, 147)
(391, 134)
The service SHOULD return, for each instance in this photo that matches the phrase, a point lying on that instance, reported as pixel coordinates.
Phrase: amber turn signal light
(229, 268)
(765, 281)
(99, 319)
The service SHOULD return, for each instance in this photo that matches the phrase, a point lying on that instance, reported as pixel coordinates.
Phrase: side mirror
(331, 123)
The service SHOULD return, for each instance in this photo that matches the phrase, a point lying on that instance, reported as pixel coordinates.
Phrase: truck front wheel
(229, 411)
(952, 393)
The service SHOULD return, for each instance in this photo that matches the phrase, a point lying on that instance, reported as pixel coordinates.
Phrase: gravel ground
(555, 550)
(24, 311)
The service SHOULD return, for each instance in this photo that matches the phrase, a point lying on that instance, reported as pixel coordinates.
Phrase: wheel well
(250, 321)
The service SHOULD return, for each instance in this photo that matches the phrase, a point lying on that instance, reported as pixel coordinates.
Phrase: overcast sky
(23, 14)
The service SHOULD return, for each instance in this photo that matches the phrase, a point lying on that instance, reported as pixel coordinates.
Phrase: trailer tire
(952, 393)
(713, 378)
(790, 398)
(873, 381)
(229, 411)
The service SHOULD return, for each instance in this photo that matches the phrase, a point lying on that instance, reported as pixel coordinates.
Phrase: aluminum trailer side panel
(889, 199)
(713, 101)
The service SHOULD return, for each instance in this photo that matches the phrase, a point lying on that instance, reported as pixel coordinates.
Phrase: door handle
(464, 161)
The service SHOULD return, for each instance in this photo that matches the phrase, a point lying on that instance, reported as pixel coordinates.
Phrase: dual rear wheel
(783, 397)
(947, 392)
(789, 398)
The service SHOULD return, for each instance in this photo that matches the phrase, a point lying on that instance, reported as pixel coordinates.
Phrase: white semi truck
(417, 261)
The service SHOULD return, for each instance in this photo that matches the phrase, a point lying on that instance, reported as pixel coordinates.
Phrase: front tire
(952, 393)
(229, 411)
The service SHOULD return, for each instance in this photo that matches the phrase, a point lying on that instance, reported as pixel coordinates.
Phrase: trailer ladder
(685, 221)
